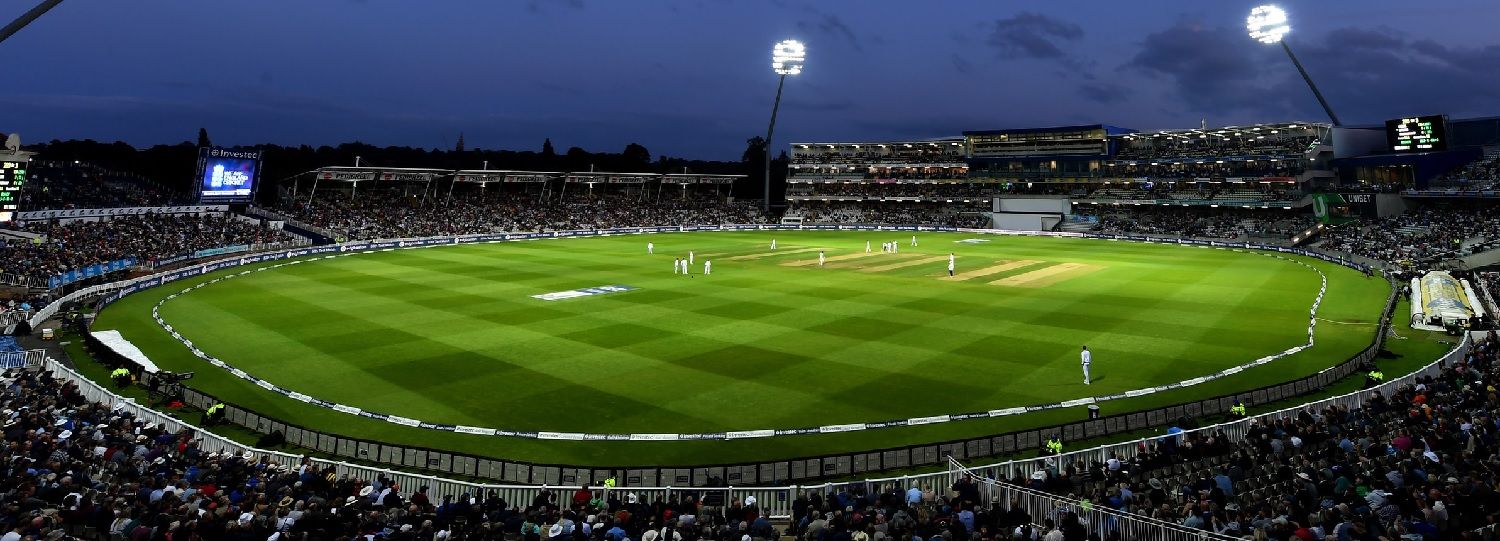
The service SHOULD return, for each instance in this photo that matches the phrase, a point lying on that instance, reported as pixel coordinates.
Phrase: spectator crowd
(1417, 463)
(390, 213)
(1201, 222)
(1425, 234)
(70, 185)
(70, 246)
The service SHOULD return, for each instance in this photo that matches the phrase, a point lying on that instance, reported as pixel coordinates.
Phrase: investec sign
(584, 292)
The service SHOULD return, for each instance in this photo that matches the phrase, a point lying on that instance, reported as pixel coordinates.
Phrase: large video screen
(1417, 134)
(227, 176)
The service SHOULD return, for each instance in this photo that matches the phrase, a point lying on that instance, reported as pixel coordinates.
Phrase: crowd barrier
(774, 500)
(773, 472)
(22, 359)
(1097, 521)
(58, 280)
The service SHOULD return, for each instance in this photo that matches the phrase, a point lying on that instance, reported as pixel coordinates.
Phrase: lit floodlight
(1267, 24)
(788, 56)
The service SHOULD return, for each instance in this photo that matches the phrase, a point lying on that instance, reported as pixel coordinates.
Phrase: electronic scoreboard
(1417, 134)
(12, 176)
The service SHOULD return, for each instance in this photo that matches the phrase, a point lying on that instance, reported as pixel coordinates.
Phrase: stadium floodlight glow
(1268, 24)
(788, 56)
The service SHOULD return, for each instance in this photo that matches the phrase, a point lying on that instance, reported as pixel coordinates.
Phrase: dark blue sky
(692, 78)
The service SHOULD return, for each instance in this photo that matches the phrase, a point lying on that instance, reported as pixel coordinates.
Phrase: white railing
(22, 359)
(1096, 520)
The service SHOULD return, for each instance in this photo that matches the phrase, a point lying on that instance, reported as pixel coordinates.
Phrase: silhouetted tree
(203, 138)
(547, 150)
(636, 154)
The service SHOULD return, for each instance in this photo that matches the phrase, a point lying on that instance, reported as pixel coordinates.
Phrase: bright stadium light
(1269, 24)
(787, 58)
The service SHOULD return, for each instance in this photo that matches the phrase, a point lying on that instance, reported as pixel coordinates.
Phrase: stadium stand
(1418, 463)
(892, 214)
(1228, 223)
(391, 213)
(1428, 233)
(1481, 174)
(77, 468)
(74, 185)
(76, 244)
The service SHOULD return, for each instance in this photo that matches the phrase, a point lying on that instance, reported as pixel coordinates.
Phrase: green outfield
(453, 335)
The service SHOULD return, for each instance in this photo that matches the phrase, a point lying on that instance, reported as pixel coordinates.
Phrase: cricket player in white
(913, 240)
(708, 267)
(677, 266)
(820, 258)
(685, 267)
(950, 264)
(867, 247)
(690, 257)
(650, 247)
(1087, 357)
(773, 244)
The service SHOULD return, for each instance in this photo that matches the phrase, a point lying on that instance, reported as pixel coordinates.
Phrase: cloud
(536, 7)
(829, 24)
(1368, 75)
(1030, 35)
(961, 64)
(1105, 93)
(1208, 69)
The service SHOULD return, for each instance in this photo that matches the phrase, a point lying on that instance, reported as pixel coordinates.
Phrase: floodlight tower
(1269, 24)
(787, 58)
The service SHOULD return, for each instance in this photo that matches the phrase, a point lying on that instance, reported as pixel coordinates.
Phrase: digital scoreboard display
(12, 176)
(227, 175)
(1417, 134)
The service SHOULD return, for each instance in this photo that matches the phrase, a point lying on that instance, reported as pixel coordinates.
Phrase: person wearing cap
(1054, 445)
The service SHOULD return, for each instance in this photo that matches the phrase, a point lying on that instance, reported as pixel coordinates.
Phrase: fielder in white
(1087, 357)
(650, 247)
(708, 267)
(690, 257)
(867, 247)
(950, 264)
(820, 258)
(913, 240)
(677, 266)
(773, 244)
(685, 267)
